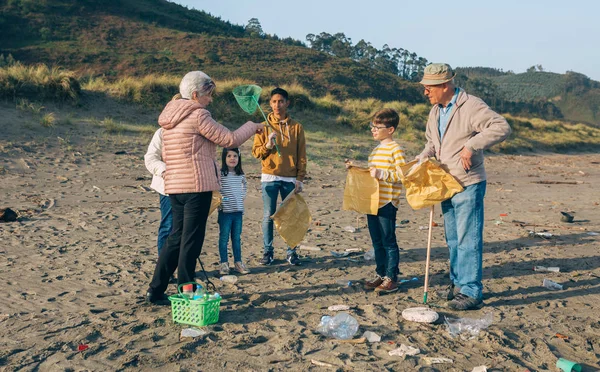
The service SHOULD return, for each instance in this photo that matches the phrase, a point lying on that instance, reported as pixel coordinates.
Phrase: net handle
(269, 124)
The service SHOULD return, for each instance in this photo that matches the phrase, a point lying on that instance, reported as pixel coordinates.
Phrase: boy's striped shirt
(233, 192)
(388, 157)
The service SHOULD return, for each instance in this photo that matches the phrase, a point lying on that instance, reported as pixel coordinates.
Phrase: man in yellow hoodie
(282, 152)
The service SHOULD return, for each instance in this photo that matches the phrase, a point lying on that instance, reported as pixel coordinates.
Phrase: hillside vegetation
(136, 38)
(142, 37)
(334, 127)
(572, 96)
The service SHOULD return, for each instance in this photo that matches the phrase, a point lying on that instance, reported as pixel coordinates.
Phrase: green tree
(254, 29)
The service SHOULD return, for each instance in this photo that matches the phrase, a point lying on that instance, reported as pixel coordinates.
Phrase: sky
(509, 34)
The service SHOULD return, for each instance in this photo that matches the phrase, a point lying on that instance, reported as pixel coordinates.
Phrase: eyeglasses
(372, 126)
(428, 88)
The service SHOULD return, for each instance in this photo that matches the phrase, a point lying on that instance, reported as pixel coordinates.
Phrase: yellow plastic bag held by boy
(427, 183)
(292, 219)
(362, 192)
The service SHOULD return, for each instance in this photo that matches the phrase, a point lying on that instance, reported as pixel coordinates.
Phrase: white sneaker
(224, 270)
(241, 268)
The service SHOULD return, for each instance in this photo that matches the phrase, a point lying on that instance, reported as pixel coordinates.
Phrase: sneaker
(293, 259)
(464, 302)
(387, 286)
(162, 300)
(267, 259)
(372, 284)
(241, 268)
(449, 292)
(224, 269)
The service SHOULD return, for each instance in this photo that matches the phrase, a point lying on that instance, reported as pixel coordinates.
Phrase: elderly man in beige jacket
(459, 128)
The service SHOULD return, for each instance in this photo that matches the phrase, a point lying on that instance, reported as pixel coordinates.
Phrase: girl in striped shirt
(233, 191)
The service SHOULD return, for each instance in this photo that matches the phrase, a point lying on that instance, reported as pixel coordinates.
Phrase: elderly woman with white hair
(190, 138)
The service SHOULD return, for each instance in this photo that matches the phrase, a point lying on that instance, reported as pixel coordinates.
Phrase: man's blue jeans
(166, 221)
(230, 224)
(270, 192)
(382, 229)
(463, 223)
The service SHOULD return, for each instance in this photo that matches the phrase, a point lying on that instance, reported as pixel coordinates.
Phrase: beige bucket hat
(437, 73)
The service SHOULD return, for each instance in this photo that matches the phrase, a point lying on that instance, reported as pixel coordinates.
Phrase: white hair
(196, 81)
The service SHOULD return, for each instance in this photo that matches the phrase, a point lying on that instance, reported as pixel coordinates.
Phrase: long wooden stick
(428, 254)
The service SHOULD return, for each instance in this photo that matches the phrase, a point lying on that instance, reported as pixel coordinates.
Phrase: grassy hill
(136, 38)
(140, 37)
(336, 129)
(574, 95)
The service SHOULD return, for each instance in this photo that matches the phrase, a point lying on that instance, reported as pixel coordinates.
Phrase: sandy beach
(76, 265)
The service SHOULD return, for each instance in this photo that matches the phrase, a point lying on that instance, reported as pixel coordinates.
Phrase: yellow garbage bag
(215, 202)
(362, 192)
(292, 219)
(427, 183)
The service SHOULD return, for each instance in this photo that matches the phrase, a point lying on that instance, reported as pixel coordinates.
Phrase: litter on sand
(468, 328)
(551, 285)
(308, 248)
(350, 229)
(479, 369)
(429, 360)
(404, 350)
(545, 235)
(420, 315)
(191, 333)
(230, 279)
(545, 269)
(339, 254)
(338, 308)
(322, 364)
(371, 336)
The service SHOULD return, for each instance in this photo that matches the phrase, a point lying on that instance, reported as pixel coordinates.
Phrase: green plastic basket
(198, 313)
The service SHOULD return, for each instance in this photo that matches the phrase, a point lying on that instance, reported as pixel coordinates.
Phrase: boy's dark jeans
(382, 229)
(183, 247)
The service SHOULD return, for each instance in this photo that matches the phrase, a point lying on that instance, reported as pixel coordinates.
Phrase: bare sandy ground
(76, 265)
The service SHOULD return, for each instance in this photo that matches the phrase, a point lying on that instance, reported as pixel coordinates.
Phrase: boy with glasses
(384, 163)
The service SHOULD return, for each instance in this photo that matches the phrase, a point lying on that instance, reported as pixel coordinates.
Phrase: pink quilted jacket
(190, 139)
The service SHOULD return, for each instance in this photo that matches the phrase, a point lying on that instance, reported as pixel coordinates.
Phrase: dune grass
(38, 82)
(341, 124)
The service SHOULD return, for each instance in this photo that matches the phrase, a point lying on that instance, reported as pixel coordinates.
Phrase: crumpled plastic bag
(292, 219)
(215, 202)
(468, 328)
(427, 184)
(361, 193)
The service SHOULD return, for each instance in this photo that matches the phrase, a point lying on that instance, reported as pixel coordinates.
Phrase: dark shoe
(387, 286)
(267, 259)
(161, 300)
(464, 302)
(449, 292)
(293, 259)
(372, 284)
(172, 280)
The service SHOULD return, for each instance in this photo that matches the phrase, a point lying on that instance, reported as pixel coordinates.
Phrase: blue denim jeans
(230, 224)
(166, 221)
(463, 223)
(270, 192)
(382, 229)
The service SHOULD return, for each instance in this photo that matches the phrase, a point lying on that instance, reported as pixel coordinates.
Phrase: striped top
(388, 157)
(233, 191)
